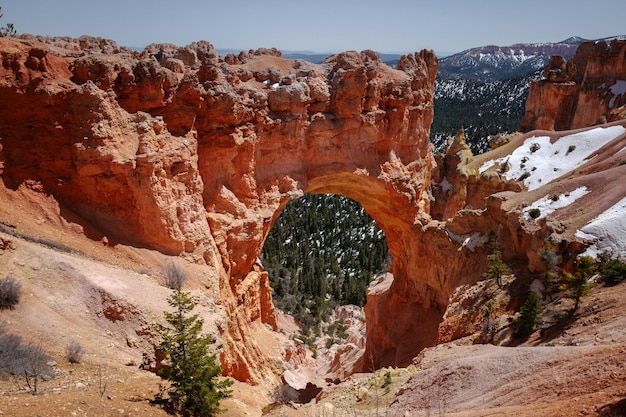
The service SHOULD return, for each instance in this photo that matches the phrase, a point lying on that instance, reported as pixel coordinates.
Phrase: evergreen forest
(482, 109)
(323, 251)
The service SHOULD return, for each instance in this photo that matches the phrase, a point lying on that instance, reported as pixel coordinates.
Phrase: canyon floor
(576, 368)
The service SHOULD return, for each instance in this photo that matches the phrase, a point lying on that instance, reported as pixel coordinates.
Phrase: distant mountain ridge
(491, 62)
(484, 89)
(482, 63)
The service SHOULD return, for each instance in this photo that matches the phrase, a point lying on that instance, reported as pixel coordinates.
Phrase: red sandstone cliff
(588, 89)
(194, 155)
(191, 154)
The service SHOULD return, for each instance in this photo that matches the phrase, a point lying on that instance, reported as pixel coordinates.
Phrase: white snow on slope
(445, 185)
(548, 204)
(607, 232)
(539, 162)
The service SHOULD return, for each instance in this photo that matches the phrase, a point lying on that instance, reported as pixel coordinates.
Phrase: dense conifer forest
(323, 251)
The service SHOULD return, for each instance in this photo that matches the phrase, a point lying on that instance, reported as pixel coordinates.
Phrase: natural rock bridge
(182, 151)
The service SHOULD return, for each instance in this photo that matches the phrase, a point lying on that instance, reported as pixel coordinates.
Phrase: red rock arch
(366, 139)
(404, 319)
(180, 150)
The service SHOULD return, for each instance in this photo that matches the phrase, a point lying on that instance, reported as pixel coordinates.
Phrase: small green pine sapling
(612, 272)
(529, 315)
(577, 285)
(534, 213)
(551, 275)
(193, 373)
(497, 267)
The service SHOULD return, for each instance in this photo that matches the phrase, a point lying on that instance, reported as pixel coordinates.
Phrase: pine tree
(613, 272)
(551, 261)
(193, 374)
(321, 240)
(529, 315)
(577, 285)
(497, 267)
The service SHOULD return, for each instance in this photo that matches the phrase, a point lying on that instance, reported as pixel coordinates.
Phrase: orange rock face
(192, 154)
(183, 151)
(587, 90)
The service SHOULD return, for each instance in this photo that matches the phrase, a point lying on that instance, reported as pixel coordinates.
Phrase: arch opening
(403, 314)
(322, 252)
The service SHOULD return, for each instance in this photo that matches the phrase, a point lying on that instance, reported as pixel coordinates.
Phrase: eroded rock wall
(192, 154)
(183, 151)
(588, 89)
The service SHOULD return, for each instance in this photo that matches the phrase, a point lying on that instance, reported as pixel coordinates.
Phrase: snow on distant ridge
(607, 233)
(538, 161)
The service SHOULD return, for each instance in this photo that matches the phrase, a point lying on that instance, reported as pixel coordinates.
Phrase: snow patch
(445, 185)
(538, 161)
(484, 167)
(548, 204)
(606, 233)
(380, 285)
(617, 90)
(471, 241)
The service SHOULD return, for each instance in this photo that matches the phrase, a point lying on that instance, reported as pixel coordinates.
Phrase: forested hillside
(322, 252)
(481, 108)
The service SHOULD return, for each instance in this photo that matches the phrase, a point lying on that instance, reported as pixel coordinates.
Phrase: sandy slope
(108, 299)
(577, 370)
(104, 296)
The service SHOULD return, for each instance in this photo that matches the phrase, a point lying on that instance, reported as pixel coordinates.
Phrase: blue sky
(321, 25)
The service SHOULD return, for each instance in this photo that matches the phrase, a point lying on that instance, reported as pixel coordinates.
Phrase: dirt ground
(106, 298)
(78, 390)
(576, 371)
